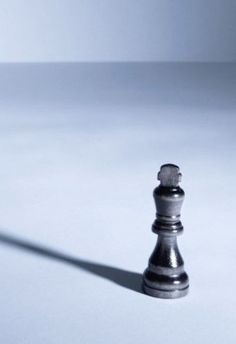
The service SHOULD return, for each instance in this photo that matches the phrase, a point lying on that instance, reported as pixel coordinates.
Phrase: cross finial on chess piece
(169, 175)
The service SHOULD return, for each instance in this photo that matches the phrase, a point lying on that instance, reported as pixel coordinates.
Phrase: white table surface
(80, 147)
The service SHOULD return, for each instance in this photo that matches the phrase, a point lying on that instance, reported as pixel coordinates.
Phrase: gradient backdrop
(112, 30)
(80, 148)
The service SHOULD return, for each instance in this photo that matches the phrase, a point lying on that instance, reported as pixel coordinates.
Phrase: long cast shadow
(127, 279)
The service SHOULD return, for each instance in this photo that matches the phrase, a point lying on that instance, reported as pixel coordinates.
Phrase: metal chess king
(165, 276)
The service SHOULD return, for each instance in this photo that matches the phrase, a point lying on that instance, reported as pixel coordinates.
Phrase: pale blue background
(117, 30)
(80, 147)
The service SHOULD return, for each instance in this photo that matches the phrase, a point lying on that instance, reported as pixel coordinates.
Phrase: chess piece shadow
(127, 279)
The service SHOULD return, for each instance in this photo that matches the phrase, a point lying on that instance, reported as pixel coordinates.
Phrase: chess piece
(165, 276)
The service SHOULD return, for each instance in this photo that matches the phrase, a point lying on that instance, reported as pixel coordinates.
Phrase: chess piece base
(165, 294)
(163, 285)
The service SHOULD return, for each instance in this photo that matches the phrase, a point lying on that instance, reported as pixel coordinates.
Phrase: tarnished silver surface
(165, 276)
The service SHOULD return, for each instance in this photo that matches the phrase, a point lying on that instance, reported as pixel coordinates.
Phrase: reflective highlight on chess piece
(165, 276)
